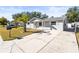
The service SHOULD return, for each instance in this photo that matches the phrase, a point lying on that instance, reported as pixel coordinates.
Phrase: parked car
(10, 26)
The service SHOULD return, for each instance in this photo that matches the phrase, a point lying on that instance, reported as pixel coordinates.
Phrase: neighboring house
(76, 26)
(52, 23)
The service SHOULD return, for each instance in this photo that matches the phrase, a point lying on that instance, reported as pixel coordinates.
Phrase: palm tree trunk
(24, 27)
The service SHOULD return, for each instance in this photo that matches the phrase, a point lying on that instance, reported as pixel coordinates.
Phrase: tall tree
(44, 16)
(73, 14)
(33, 14)
(23, 17)
(3, 21)
(16, 18)
(52, 17)
(36, 14)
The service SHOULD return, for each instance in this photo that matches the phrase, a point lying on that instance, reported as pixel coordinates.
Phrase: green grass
(15, 32)
(1, 26)
(77, 36)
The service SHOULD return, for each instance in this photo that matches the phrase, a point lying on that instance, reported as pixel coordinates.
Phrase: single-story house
(52, 23)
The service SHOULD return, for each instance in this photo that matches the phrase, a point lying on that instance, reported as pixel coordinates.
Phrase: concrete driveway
(52, 41)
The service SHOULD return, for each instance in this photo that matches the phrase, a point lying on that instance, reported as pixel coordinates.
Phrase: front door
(40, 23)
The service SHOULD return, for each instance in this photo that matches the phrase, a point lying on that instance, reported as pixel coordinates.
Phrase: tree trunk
(16, 25)
(3, 25)
(24, 27)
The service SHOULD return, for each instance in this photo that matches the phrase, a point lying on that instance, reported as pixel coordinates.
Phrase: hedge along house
(52, 23)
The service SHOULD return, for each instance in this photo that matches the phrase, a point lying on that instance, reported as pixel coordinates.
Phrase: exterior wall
(46, 24)
(36, 24)
(31, 25)
(59, 25)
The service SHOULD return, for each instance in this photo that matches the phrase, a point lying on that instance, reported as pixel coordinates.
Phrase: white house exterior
(52, 23)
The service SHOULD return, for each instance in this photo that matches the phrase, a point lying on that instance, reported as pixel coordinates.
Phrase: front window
(53, 23)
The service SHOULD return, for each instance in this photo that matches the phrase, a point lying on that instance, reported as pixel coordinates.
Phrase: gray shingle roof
(60, 19)
(55, 19)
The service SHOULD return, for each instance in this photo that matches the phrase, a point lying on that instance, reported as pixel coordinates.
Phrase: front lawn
(15, 32)
(77, 36)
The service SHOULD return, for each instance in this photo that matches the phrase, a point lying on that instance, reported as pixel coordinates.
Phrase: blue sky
(8, 11)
